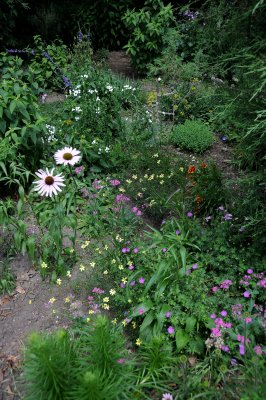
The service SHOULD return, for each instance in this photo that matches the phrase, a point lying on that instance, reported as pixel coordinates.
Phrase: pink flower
(225, 348)
(132, 283)
(168, 314)
(131, 267)
(216, 332)
(114, 182)
(223, 313)
(189, 214)
(246, 294)
(97, 290)
(248, 320)
(213, 316)
(258, 350)
(214, 289)
(167, 396)
(141, 280)
(171, 330)
(134, 209)
(138, 213)
(250, 271)
(79, 170)
(121, 360)
(141, 311)
(121, 198)
(195, 266)
(136, 250)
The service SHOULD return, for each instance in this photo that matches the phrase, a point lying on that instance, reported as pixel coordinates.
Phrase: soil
(27, 308)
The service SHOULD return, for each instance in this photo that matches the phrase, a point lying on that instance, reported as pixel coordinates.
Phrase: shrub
(193, 135)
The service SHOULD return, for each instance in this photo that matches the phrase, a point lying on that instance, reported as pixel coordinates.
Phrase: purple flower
(228, 217)
(225, 348)
(241, 349)
(131, 267)
(124, 250)
(167, 396)
(132, 283)
(223, 313)
(121, 198)
(141, 311)
(246, 294)
(189, 214)
(241, 229)
(114, 182)
(168, 314)
(177, 232)
(122, 285)
(171, 330)
(233, 361)
(141, 280)
(195, 266)
(79, 170)
(164, 250)
(250, 271)
(213, 316)
(136, 250)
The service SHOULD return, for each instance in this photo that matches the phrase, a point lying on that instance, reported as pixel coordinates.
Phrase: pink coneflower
(67, 156)
(167, 396)
(48, 184)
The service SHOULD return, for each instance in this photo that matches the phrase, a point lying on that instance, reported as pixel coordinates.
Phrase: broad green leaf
(150, 317)
(181, 339)
(190, 323)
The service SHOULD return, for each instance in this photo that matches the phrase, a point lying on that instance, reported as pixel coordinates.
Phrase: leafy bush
(147, 28)
(192, 135)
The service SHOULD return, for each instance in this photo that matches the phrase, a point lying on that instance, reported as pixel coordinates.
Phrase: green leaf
(190, 323)
(12, 106)
(181, 339)
(150, 317)
(31, 247)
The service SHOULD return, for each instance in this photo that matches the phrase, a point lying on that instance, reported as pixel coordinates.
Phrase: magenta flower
(121, 198)
(141, 280)
(138, 213)
(134, 209)
(97, 290)
(136, 250)
(248, 320)
(164, 250)
(132, 283)
(141, 311)
(250, 271)
(171, 330)
(195, 266)
(225, 348)
(177, 232)
(216, 332)
(131, 267)
(214, 289)
(168, 314)
(213, 316)
(189, 214)
(246, 294)
(258, 350)
(167, 396)
(79, 170)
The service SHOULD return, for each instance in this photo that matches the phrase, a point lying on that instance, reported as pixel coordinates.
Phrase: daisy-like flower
(48, 184)
(167, 396)
(67, 155)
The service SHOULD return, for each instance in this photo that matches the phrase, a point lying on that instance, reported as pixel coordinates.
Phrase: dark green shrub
(193, 135)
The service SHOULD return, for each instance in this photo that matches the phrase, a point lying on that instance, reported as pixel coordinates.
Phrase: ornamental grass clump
(193, 135)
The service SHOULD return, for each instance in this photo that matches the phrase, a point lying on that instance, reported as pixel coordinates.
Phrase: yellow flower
(112, 292)
(68, 274)
(105, 272)
(130, 262)
(91, 311)
(59, 281)
(151, 177)
(181, 169)
(124, 280)
(134, 324)
(161, 176)
(162, 182)
(129, 301)
(120, 266)
(129, 181)
(30, 301)
(88, 319)
(52, 300)
(71, 251)
(100, 251)
(106, 247)
(140, 194)
(124, 322)
(114, 321)
(146, 176)
(134, 176)
(92, 264)
(44, 265)
(155, 155)
(82, 268)
(141, 180)
(106, 306)
(113, 261)
(159, 161)
(85, 244)
(138, 342)
(67, 300)
(106, 299)
(122, 190)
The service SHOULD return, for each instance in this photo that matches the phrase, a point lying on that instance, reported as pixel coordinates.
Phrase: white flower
(167, 396)
(66, 156)
(48, 184)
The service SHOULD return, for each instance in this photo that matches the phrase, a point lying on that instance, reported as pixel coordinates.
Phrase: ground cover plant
(150, 245)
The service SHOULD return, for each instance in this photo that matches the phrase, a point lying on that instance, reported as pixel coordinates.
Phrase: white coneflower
(67, 156)
(48, 184)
